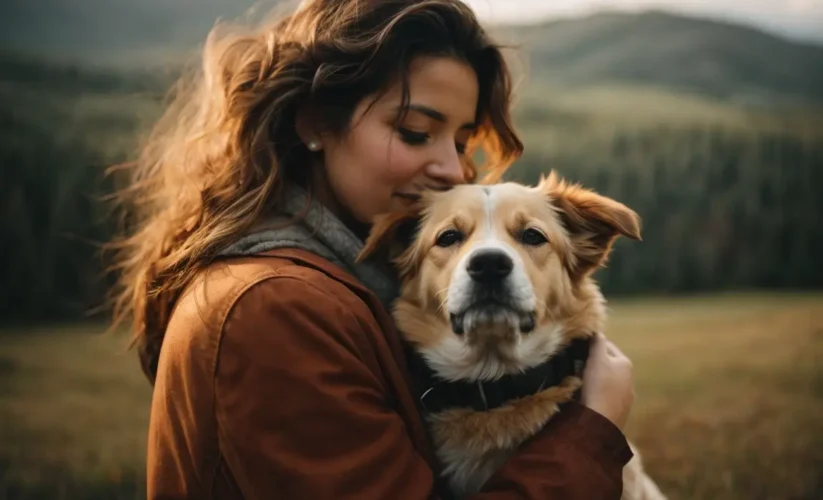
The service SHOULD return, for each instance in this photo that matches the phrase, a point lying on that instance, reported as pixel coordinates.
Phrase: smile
(408, 196)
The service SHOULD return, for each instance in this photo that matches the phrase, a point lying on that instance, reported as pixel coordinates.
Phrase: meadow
(729, 401)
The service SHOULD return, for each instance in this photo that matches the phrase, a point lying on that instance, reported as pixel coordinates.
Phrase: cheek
(541, 265)
(368, 148)
(439, 258)
(429, 295)
(368, 167)
(404, 164)
(538, 258)
(383, 157)
(550, 281)
(437, 289)
(436, 273)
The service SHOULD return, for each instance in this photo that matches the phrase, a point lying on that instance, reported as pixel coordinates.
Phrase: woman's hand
(608, 382)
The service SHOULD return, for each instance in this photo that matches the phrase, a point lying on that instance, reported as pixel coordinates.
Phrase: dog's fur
(550, 299)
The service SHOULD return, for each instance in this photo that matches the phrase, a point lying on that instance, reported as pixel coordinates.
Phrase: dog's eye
(533, 237)
(448, 238)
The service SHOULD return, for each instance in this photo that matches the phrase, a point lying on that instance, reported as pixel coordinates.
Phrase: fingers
(603, 344)
(599, 345)
(613, 350)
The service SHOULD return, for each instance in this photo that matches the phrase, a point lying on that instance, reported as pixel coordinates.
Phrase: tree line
(721, 209)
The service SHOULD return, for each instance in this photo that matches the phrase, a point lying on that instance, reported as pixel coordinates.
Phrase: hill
(114, 32)
(715, 58)
(718, 59)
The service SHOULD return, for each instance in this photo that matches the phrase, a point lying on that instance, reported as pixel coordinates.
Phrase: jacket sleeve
(578, 454)
(302, 415)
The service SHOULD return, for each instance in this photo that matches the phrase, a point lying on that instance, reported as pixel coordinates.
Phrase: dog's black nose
(490, 266)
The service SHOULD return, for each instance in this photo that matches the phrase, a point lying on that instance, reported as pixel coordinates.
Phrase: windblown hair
(219, 157)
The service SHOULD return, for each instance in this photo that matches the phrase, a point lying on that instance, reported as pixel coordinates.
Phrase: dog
(498, 302)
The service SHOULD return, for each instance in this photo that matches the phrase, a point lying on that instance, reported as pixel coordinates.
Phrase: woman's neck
(321, 191)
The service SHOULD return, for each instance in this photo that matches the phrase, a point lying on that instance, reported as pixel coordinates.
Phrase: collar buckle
(423, 397)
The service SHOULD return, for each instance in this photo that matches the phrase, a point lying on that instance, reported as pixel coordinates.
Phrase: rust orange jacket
(280, 376)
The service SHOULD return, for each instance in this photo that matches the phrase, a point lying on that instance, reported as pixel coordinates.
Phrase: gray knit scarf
(322, 234)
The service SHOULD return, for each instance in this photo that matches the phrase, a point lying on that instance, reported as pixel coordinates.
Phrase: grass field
(729, 401)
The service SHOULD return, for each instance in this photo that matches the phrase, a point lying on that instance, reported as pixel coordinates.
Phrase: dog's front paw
(568, 387)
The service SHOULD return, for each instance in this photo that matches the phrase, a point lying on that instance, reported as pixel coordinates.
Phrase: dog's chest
(471, 445)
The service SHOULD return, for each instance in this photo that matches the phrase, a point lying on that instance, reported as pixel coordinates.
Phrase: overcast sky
(797, 18)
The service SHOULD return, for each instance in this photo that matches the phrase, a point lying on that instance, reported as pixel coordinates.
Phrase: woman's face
(378, 166)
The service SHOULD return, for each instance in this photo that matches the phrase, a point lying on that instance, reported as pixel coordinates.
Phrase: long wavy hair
(218, 158)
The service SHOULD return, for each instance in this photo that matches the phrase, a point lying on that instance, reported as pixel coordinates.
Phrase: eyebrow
(437, 115)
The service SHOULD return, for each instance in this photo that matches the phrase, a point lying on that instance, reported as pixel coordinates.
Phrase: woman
(277, 370)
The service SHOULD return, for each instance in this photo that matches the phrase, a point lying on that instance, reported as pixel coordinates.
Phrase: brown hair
(219, 157)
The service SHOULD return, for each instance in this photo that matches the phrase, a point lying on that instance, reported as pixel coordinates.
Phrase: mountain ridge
(714, 57)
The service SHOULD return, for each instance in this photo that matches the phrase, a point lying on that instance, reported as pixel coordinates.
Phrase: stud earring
(314, 145)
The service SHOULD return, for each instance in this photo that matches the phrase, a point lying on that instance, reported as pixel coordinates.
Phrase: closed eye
(412, 137)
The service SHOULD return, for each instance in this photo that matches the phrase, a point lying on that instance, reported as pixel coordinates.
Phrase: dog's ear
(391, 234)
(593, 221)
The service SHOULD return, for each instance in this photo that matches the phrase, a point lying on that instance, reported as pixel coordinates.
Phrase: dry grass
(729, 394)
(75, 412)
(729, 406)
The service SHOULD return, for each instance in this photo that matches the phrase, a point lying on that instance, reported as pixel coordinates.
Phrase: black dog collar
(438, 395)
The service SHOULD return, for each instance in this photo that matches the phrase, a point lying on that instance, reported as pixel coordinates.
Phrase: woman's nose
(448, 169)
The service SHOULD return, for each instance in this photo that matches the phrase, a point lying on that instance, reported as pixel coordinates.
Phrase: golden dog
(496, 296)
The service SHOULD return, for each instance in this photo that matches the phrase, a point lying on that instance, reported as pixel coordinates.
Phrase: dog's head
(496, 278)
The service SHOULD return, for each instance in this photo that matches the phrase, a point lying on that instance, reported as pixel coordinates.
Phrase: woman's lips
(413, 197)
(408, 196)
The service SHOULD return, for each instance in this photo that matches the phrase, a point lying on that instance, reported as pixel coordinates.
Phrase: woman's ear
(593, 221)
(305, 124)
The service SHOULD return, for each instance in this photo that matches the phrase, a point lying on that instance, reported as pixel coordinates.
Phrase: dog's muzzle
(491, 299)
(490, 267)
